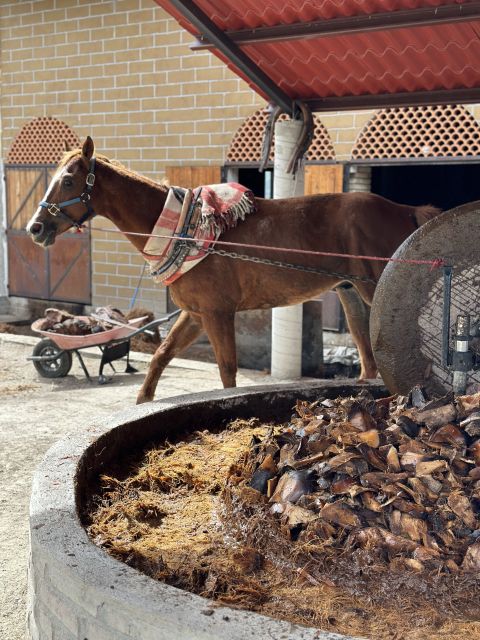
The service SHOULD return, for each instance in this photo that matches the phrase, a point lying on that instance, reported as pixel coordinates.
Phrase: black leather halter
(85, 197)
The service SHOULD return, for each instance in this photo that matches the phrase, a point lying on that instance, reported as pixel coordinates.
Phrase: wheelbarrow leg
(114, 352)
(101, 378)
(129, 368)
(82, 363)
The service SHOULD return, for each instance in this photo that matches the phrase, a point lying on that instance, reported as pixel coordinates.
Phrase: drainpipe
(287, 321)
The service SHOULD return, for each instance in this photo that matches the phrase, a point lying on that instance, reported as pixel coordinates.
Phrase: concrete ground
(35, 412)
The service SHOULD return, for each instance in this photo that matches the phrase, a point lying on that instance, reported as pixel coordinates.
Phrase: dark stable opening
(256, 181)
(442, 185)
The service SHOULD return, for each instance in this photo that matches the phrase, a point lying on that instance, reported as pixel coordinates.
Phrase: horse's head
(67, 201)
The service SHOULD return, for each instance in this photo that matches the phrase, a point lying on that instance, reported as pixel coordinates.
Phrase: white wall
(3, 235)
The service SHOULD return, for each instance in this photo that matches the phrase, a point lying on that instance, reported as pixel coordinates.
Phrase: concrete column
(287, 321)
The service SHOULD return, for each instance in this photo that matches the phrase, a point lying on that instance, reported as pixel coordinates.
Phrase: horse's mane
(119, 168)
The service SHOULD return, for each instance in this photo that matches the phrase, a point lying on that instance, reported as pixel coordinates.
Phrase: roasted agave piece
(468, 404)
(471, 424)
(360, 417)
(436, 416)
(461, 507)
(409, 426)
(449, 434)
(471, 561)
(340, 514)
(265, 472)
(475, 451)
(292, 485)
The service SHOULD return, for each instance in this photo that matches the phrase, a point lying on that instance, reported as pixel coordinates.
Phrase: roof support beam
(407, 99)
(224, 44)
(407, 18)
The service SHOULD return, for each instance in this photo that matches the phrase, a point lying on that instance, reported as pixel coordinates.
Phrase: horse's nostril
(36, 228)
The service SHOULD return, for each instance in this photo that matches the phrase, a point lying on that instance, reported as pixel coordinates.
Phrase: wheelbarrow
(52, 356)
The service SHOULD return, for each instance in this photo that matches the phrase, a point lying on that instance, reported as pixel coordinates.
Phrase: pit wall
(77, 591)
(122, 72)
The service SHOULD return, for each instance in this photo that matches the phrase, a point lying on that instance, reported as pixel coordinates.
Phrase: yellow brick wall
(122, 72)
(344, 128)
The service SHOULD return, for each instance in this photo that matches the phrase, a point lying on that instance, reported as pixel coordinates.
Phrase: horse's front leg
(186, 329)
(357, 313)
(220, 328)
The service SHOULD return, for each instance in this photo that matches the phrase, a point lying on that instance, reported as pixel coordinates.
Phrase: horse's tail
(425, 213)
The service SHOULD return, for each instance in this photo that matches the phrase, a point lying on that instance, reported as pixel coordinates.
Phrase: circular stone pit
(77, 591)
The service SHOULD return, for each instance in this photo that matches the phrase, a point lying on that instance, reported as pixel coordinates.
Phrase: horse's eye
(67, 182)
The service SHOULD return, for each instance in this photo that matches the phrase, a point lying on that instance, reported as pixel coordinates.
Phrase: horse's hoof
(367, 379)
(143, 399)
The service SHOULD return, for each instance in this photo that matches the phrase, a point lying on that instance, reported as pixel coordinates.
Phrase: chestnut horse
(211, 293)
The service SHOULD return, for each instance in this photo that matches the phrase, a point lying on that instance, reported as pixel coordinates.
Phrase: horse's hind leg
(357, 313)
(186, 329)
(220, 328)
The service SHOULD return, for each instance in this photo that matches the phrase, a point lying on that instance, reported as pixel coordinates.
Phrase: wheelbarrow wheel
(56, 367)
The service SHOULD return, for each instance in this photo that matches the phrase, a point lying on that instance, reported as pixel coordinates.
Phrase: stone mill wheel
(406, 314)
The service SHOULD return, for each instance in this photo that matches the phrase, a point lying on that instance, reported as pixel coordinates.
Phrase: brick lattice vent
(42, 141)
(246, 145)
(419, 132)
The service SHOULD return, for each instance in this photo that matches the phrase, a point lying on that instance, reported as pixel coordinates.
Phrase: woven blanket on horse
(203, 214)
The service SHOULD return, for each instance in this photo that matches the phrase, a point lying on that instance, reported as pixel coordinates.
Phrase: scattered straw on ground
(172, 519)
(17, 389)
(6, 328)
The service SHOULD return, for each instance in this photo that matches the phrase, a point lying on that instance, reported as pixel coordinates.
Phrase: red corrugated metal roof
(231, 15)
(441, 58)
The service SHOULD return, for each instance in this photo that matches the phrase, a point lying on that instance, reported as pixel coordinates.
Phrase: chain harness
(278, 263)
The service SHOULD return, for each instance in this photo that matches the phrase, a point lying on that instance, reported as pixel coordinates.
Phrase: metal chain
(286, 265)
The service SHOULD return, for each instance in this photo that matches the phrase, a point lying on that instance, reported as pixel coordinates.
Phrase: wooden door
(61, 272)
(327, 178)
(323, 178)
(191, 177)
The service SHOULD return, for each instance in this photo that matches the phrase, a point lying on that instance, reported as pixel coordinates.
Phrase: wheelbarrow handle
(155, 323)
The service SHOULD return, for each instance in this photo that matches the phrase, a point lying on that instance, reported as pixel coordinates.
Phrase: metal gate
(61, 272)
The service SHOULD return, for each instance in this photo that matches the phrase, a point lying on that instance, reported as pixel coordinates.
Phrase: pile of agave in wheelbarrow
(61, 321)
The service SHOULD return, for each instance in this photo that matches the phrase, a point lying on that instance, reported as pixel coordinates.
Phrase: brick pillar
(3, 236)
(360, 178)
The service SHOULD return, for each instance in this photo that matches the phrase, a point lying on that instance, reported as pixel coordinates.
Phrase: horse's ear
(67, 145)
(88, 148)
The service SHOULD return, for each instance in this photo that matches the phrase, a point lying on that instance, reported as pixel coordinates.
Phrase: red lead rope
(434, 264)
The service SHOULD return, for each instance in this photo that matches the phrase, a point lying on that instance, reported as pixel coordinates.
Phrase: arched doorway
(422, 155)
(61, 272)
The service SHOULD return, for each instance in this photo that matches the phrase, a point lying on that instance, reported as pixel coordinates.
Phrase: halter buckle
(85, 197)
(90, 179)
(53, 210)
